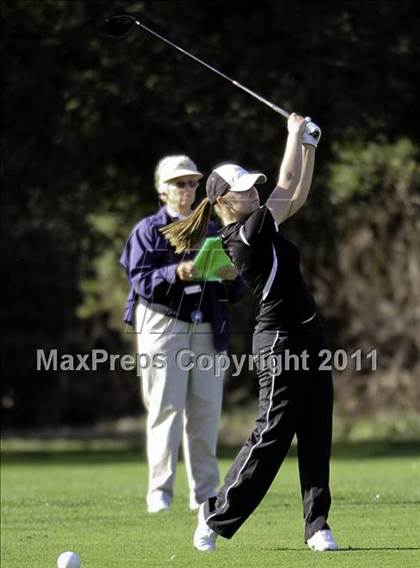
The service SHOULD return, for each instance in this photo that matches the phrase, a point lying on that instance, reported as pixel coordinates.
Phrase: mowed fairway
(93, 503)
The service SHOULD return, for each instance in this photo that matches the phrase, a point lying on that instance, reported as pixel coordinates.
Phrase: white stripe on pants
(179, 402)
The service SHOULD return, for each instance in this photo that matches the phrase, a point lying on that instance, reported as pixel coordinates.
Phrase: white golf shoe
(322, 541)
(204, 537)
(158, 502)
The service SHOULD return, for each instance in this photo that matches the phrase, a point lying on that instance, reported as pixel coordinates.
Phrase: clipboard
(210, 258)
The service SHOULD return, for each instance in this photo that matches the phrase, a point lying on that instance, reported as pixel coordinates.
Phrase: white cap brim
(247, 181)
(181, 173)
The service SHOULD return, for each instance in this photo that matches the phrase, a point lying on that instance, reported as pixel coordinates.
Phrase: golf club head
(119, 26)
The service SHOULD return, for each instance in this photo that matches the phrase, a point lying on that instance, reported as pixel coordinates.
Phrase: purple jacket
(150, 263)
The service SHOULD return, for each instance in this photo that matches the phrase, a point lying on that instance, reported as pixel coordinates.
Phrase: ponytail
(184, 234)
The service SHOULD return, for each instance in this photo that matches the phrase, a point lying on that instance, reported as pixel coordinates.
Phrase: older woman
(174, 312)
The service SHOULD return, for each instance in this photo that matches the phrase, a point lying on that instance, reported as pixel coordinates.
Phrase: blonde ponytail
(183, 235)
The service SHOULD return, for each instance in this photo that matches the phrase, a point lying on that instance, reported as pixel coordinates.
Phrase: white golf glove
(312, 133)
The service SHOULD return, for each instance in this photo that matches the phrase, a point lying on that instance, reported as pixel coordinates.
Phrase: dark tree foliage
(85, 119)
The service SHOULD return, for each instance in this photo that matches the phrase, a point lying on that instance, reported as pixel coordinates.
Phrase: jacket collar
(163, 215)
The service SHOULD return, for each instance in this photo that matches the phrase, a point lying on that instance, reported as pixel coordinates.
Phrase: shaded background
(86, 118)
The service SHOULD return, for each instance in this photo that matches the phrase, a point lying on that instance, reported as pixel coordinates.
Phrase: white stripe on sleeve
(272, 275)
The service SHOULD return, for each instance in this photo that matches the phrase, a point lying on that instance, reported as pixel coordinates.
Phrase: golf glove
(312, 133)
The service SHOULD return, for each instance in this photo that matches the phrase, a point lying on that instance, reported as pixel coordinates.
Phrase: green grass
(93, 503)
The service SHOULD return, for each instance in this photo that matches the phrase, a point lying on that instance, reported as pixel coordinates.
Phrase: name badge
(194, 289)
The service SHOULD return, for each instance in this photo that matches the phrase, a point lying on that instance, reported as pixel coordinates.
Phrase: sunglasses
(184, 184)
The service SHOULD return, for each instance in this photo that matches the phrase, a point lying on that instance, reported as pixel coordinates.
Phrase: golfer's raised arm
(304, 185)
(296, 170)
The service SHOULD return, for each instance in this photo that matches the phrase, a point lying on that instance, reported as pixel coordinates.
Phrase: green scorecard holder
(210, 259)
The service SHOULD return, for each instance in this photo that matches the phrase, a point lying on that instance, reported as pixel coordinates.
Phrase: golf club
(121, 26)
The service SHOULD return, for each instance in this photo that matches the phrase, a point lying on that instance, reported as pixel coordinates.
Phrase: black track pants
(290, 402)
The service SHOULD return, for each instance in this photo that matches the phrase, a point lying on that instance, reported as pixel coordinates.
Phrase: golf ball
(68, 560)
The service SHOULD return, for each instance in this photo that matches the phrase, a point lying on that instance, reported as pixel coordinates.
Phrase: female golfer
(295, 395)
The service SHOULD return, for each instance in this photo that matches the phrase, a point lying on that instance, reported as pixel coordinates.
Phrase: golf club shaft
(258, 97)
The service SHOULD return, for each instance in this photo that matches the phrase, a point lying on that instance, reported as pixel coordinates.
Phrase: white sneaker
(204, 536)
(158, 502)
(322, 540)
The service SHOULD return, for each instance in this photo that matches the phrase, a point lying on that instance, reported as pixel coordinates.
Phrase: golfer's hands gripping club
(296, 125)
(312, 133)
(186, 271)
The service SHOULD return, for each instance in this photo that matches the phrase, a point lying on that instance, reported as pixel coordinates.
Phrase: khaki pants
(179, 402)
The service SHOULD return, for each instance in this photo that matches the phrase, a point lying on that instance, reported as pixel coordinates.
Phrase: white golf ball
(68, 560)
